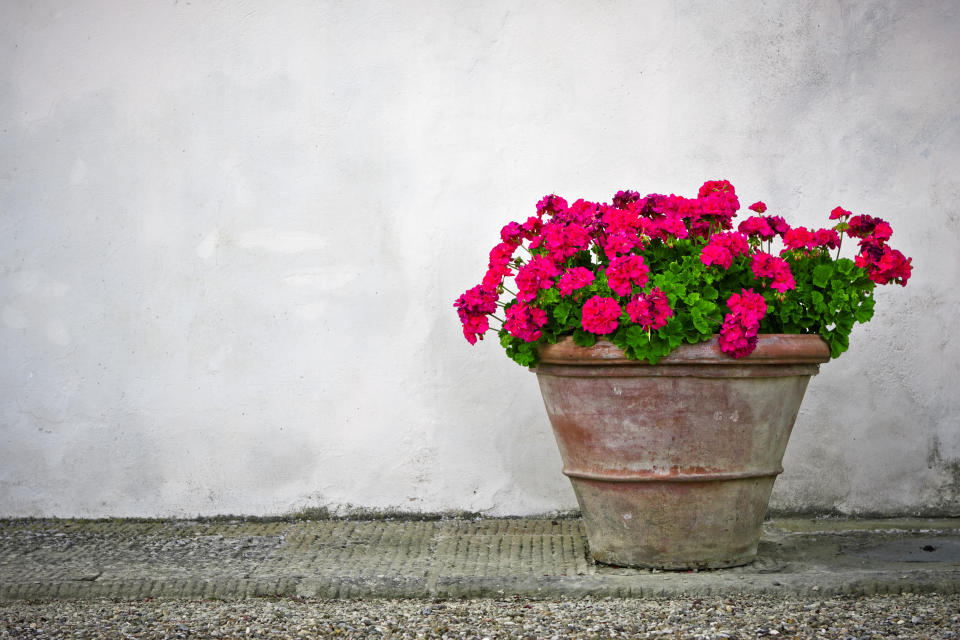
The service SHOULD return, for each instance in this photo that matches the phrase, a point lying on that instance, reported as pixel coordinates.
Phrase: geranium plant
(649, 273)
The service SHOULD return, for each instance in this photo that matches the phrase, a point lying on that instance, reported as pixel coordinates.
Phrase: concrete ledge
(57, 559)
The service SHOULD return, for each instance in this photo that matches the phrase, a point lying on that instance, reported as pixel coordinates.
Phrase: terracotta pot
(673, 464)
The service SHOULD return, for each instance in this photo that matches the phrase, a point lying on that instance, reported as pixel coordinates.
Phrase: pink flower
(651, 311)
(573, 279)
(474, 327)
(826, 238)
(532, 227)
(736, 339)
(748, 305)
(715, 186)
(473, 306)
(799, 238)
(620, 243)
(778, 224)
(623, 198)
(757, 226)
(551, 205)
(581, 212)
(626, 271)
(669, 225)
(882, 231)
(764, 265)
(512, 233)
(600, 315)
(838, 213)
(723, 248)
(718, 201)
(533, 276)
(620, 221)
(738, 335)
(758, 206)
(883, 264)
(524, 321)
(862, 226)
(562, 240)
(716, 254)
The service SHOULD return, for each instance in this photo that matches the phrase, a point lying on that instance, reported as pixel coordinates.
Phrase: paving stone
(533, 557)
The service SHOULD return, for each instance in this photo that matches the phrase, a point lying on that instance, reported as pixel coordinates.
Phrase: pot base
(674, 524)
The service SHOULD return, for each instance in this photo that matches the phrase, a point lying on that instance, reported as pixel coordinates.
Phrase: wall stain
(949, 471)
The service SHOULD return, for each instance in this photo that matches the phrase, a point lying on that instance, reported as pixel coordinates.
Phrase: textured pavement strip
(530, 557)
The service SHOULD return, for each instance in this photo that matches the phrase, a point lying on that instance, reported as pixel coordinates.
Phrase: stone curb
(537, 558)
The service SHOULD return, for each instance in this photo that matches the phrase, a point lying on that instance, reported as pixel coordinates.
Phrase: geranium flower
(473, 306)
(738, 335)
(512, 233)
(863, 226)
(624, 272)
(749, 305)
(826, 238)
(651, 311)
(839, 213)
(600, 315)
(535, 275)
(573, 279)
(620, 243)
(623, 198)
(532, 227)
(620, 221)
(723, 248)
(778, 224)
(882, 231)
(799, 238)
(562, 240)
(524, 321)
(757, 226)
(883, 264)
(498, 266)
(551, 205)
(758, 206)
(765, 265)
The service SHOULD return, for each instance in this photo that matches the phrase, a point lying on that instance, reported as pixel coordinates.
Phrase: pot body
(673, 464)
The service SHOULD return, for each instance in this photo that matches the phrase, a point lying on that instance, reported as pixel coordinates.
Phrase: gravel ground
(902, 616)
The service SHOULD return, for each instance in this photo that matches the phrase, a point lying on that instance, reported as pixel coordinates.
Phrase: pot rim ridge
(772, 348)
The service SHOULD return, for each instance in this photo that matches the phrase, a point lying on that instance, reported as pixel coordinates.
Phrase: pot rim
(772, 348)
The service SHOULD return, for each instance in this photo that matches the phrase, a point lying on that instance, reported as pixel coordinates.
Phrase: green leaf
(636, 337)
(839, 342)
(562, 311)
(549, 296)
(865, 311)
(845, 266)
(526, 354)
(818, 302)
(822, 274)
(584, 338)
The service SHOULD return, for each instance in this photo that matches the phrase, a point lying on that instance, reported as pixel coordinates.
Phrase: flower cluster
(651, 272)
(738, 335)
(883, 263)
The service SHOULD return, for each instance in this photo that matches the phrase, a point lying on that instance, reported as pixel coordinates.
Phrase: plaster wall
(231, 234)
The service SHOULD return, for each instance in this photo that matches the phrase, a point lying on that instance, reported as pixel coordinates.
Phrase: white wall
(231, 234)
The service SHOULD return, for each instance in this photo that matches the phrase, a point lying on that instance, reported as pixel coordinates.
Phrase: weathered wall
(231, 234)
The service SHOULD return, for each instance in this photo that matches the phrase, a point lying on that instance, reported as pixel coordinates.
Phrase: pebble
(929, 615)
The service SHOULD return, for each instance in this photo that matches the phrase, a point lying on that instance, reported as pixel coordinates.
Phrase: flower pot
(673, 464)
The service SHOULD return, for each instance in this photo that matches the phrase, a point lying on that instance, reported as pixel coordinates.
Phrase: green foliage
(829, 298)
